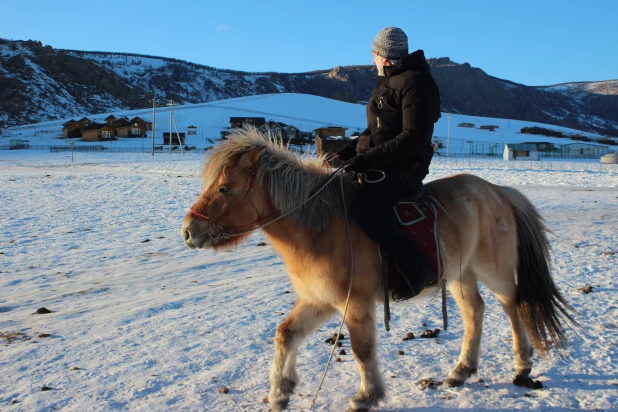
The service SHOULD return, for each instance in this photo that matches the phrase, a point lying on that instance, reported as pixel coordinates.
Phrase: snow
(305, 112)
(154, 326)
(608, 87)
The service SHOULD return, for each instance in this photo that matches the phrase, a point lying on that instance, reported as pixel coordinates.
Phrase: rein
(217, 232)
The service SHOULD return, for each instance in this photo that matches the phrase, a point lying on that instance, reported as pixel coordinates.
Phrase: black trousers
(372, 210)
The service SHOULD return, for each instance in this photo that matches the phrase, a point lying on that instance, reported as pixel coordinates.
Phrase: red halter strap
(228, 232)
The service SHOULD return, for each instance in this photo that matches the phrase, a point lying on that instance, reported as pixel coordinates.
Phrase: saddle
(415, 222)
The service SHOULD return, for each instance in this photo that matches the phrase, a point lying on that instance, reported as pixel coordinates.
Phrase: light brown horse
(492, 234)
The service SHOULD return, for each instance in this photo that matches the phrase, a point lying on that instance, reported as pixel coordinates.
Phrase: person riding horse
(400, 120)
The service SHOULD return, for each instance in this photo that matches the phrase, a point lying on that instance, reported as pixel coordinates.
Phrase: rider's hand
(358, 164)
(346, 153)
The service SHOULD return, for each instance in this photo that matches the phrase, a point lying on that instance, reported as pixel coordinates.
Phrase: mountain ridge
(39, 83)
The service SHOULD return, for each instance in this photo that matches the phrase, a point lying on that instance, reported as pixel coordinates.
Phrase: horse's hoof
(279, 405)
(523, 372)
(450, 382)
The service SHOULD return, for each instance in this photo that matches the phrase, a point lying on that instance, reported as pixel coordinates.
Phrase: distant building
(329, 145)
(586, 150)
(116, 126)
(608, 141)
(19, 144)
(85, 121)
(468, 125)
(330, 131)
(191, 130)
(120, 121)
(543, 146)
(491, 128)
(142, 122)
(73, 128)
(286, 133)
(240, 122)
(541, 131)
(175, 141)
(132, 130)
(521, 151)
(96, 131)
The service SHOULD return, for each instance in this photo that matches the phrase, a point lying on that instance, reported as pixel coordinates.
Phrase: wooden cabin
(330, 131)
(98, 131)
(175, 141)
(240, 122)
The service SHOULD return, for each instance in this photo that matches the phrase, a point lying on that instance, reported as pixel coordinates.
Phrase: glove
(358, 164)
(346, 153)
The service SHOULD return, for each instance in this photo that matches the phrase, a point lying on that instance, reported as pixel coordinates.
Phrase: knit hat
(391, 43)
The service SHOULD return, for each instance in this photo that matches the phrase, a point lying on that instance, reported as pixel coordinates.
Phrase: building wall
(142, 123)
(127, 131)
(90, 135)
(584, 149)
(330, 131)
(73, 130)
(329, 146)
(520, 155)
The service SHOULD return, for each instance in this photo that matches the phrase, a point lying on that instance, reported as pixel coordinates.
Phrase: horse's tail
(540, 307)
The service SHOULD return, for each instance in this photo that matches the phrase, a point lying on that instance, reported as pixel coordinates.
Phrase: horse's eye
(225, 189)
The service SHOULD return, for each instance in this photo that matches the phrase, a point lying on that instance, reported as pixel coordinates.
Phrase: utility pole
(171, 104)
(182, 150)
(154, 119)
(448, 145)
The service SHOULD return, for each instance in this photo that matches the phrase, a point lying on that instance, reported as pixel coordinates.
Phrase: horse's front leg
(362, 327)
(301, 321)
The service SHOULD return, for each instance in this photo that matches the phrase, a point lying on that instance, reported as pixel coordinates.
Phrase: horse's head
(233, 200)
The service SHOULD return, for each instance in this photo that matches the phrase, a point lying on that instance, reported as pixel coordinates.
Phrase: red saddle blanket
(416, 221)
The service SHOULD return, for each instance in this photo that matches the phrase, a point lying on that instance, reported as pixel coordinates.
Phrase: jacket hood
(414, 61)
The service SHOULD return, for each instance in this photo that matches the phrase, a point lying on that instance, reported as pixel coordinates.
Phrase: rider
(400, 119)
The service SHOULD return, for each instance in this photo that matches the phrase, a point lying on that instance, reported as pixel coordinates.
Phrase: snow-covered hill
(305, 112)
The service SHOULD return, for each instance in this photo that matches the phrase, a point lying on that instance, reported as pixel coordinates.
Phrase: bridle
(217, 232)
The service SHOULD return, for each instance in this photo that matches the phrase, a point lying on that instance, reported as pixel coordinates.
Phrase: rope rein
(460, 243)
(332, 177)
(345, 311)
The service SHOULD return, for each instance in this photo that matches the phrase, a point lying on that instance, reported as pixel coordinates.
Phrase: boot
(414, 283)
(412, 268)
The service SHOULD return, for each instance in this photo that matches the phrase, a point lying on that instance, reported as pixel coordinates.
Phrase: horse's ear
(249, 159)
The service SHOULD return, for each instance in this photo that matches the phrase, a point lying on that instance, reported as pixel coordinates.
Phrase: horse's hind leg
(361, 325)
(301, 321)
(472, 308)
(505, 291)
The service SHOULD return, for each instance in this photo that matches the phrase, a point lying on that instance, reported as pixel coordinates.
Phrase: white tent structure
(611, 158)
(521, 151)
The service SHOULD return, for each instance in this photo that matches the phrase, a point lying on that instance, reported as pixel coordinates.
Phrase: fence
(562, 164)
(55, 149)
(462, 161)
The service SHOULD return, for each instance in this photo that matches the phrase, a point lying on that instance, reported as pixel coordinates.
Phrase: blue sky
(530, 42)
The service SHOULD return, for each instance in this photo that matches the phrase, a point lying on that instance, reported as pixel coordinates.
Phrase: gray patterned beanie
(391, 43)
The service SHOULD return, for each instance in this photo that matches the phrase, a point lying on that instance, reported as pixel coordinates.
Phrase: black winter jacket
(400, 118)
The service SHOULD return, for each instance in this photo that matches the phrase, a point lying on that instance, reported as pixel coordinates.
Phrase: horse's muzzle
(195, 233)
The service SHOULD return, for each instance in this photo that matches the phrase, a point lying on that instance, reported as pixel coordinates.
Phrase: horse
(492, 234)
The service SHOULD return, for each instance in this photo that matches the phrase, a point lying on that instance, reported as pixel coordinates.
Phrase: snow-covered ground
(305, 112)
(142, 323)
